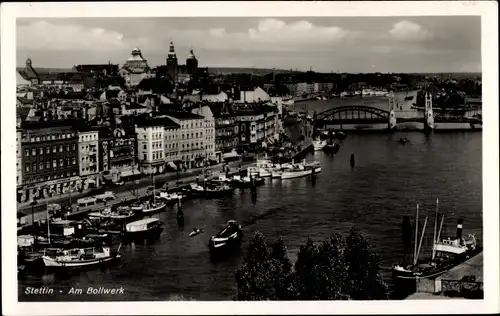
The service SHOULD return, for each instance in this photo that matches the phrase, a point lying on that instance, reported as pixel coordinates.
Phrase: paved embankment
(126, 192)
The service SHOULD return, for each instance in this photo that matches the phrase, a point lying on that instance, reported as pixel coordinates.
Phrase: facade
(151, 144)
(191, 138)
(209, 126)
(256, 95)
(172, 133)
(257, 125)
(135, 69)
(19, 159)
(49, 158)
(226, 130)
(119, 152)
(88, 157)
(322, 86)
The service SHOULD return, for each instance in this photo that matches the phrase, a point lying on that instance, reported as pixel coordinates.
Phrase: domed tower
(191, 64)
(172, 62)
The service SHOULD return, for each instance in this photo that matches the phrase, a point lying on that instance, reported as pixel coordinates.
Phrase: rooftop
(146, 120)
(181, 115)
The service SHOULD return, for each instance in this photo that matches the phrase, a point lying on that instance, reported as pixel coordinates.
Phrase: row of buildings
(60, 155)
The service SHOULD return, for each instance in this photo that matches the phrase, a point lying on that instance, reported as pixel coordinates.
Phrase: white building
(257, 95)
(209, 125)
(191, 138)
(88, 153)
(221, 97)
(135, 69)
(151, 142)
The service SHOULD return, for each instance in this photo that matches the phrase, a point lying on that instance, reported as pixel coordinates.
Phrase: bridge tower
(392, 114)
(429, 115)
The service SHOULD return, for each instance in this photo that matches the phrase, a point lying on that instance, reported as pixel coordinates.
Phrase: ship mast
(48, 224)
(421, 239)
(434, 240)
(416, 238)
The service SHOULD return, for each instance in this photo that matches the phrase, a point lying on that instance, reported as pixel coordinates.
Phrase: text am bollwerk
(76, 291)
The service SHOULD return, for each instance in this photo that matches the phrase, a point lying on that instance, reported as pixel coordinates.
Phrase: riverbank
(126, 192)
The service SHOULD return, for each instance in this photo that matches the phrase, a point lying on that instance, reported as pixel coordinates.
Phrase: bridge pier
(429, 115)
(392, 115)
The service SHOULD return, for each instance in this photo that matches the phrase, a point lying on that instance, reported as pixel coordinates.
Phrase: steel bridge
(360, 114)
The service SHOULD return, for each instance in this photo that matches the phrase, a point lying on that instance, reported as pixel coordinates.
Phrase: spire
(171, 50)
(191, 55)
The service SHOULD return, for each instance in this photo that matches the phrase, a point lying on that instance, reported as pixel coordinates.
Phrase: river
(389, 179)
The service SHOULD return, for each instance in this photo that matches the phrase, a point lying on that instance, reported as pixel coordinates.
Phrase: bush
(336, 269)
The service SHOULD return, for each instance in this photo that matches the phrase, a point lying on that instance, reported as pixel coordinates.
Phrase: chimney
(459, 230)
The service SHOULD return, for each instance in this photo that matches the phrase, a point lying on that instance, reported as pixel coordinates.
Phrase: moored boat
(315, 166)
(296, 171)
(446, 254)
(319, 144)
(153, 207)
(145, 228)
(80, 257)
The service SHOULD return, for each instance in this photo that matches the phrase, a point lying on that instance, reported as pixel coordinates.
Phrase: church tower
(172, 62)
(191, 64)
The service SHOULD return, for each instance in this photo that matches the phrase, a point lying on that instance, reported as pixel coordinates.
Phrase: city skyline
(323, 44)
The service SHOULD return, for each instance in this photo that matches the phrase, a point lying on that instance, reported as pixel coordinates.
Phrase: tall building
(226, 130)
(151, 142)
(191, 64)
(50, 159)
(209, 126)
(257, 125)
(191, 140)
(88, 157)
(172, 63)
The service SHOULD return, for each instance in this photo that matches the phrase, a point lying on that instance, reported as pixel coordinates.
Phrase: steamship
(446, 253)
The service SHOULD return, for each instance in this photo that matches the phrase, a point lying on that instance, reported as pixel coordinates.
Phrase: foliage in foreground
(336, 269)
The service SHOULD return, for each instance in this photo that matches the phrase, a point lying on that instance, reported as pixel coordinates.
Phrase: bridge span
(366, 118)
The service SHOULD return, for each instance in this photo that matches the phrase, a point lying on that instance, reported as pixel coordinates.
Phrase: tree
(263, 273)
(336, 269)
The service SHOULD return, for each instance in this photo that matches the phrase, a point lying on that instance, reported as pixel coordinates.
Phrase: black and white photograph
(309, 151)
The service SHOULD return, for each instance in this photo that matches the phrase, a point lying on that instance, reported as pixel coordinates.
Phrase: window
(74, 161)
(40, 151)
(145, 146)
(145, 157)
(60, 148)
(53, 137)
(47, 164)
(38, 138)
(40, 166)
(67, 147)
(54, 163)
(27, 152)
(27, 167)
(47, 149)
(61, 162)
(33, 166)
(33, 151)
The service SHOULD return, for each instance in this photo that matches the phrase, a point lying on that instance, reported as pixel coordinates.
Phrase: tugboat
(446, 254)
(228, 238)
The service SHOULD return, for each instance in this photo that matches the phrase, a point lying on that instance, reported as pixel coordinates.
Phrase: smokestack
(459, 230)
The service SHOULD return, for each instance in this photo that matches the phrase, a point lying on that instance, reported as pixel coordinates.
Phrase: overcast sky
(346, 44)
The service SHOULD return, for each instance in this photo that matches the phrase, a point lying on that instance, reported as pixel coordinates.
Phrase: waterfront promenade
(126, 191)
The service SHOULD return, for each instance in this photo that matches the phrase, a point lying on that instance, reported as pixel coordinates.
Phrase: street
(127, 191)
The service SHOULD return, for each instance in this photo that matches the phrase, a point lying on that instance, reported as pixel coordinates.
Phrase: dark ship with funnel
(446, 253)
